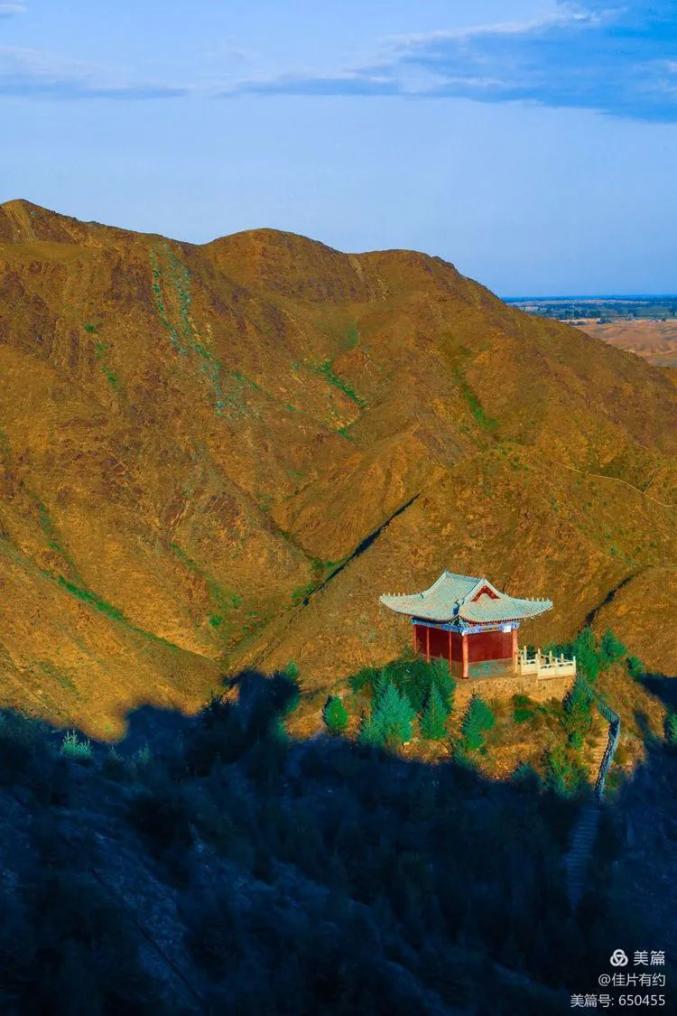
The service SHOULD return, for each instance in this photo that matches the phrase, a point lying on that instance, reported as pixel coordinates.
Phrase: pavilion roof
(468, 598)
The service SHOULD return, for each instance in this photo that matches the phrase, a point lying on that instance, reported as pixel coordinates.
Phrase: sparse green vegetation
(577, 714)
(635, 667)
(564, 773)
(223, 600)
(101, 350)
(523, 708)
(611, 649)
(60, 676)
(53, 539)
(327, 371)
(352, 337)
(114, 613)
(474, 404)
(291, 671)
(92, 600)
(301, 593)
(182, 334)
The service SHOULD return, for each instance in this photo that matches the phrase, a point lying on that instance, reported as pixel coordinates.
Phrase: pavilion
(469, 622)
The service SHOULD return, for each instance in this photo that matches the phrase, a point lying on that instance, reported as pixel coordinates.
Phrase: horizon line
(592, 297)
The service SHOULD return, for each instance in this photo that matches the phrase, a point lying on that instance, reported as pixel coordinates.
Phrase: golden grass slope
(219, 455)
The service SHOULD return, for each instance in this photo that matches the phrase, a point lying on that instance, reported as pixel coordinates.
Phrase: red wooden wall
(487, 645)
(490, 645)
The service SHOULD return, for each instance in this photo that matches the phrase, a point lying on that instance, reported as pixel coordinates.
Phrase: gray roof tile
(450, 598)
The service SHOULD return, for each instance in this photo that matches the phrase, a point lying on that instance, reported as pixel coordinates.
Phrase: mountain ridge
(194, 437)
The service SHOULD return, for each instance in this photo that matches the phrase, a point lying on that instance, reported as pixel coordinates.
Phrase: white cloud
(612, 56)
(32, 73)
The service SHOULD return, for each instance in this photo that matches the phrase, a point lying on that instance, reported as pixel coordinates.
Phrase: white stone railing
(544, 665)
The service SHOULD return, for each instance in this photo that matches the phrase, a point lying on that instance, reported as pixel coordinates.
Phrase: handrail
(545, 664)
(614, 721)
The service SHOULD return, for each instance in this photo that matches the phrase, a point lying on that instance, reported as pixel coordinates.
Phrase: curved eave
(515, 610)
(412, 606)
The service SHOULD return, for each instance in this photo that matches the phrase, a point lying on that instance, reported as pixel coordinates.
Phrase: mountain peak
(192, 438)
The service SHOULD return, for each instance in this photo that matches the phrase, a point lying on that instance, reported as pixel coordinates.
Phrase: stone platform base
(538, 688)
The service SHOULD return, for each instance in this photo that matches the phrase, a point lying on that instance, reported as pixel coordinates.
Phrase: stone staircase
(583, 839)
(578, 857)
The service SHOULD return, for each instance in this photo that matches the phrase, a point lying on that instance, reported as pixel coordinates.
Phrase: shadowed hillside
(220, 455)
(211, 864)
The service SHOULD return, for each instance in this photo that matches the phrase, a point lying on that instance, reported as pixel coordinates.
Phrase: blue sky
(531, 142)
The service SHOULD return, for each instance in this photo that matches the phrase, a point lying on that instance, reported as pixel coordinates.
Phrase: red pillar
(414, 638)
(427, 644)
(449, 634)
(464, 654)
(514, 649)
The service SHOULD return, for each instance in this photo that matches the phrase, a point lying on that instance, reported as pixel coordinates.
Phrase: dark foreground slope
(214, 866)
(219, 455)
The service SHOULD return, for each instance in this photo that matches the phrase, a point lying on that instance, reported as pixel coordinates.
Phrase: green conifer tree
(434, 720)
(391, 719)
(444, 682)
(370, 732)
(587, 657)
(478, 719)
(335, 715)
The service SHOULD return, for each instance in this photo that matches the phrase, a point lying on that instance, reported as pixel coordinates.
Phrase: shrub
(291, 670)
(81, 953)
(434, 720)
(611, 649)
(114, 767)
(219, 736)
(671, 728)
(564, 774)
(577, 714)
(73, 747)
(162, 819)
(335, 715)
(635, 667)
(17, 747)
(478, 719)
(523, 710)
(142, 757)
(284, 691)
(526, 776)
